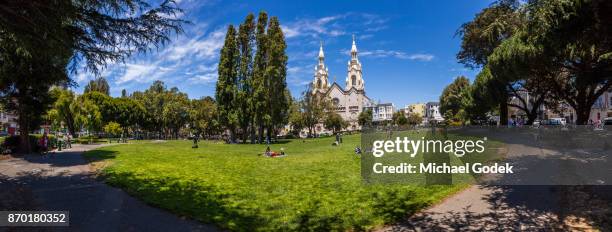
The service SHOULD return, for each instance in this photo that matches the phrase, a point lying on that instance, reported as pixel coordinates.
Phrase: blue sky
(407, 48)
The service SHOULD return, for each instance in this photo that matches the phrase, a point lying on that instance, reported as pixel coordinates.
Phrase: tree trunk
(503, 112)
(24, 137)
(582, 115)
(260, 134)
(252, 132)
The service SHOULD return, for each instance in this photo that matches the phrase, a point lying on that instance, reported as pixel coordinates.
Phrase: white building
(382, 112)
(432, 112)
(348, 101)
(8, 122)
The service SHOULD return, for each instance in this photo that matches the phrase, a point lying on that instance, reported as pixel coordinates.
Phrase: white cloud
(421, 57)
(206, 48)
(294, 70)
(204, 79)
(315, 27)
(142, 73)
(380, 53)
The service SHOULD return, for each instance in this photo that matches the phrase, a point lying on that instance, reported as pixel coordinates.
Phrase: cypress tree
(260, 87)
(246, 44)
(226, 89)
(276, 74)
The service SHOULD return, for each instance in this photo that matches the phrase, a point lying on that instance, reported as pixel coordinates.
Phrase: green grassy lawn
(316, 187)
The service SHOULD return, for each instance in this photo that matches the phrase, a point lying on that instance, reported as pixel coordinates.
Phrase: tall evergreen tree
(276, 75)
(260, 87)
(226, 90)
(246, 44)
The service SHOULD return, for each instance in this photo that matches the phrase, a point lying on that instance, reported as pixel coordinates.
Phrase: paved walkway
(524, 206)
(65, 182)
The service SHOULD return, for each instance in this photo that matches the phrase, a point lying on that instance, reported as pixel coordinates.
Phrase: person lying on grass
(270, 153)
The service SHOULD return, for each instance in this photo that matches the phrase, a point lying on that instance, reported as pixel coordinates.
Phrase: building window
(353, 80)
(319, 83)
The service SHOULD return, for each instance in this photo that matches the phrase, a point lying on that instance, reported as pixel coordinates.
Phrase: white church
(348, 101)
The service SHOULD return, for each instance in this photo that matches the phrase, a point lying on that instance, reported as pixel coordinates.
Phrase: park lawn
(316, 187)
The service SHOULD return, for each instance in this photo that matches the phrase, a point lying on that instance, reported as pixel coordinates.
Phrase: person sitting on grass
(268, 152)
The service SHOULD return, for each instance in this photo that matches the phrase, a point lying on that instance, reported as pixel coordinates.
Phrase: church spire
(354, 49)
(320, 81)
(321, 54)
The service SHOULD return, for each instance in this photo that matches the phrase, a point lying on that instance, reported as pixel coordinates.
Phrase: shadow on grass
(99, 155)
(188, 198)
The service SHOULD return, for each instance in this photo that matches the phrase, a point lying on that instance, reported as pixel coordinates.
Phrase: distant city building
(417, 108)
(8, 122)
(432, 113)
(349, 101)
(382, 112)
(602, 108)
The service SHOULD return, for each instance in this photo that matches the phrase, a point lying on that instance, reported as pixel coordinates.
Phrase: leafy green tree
(414, 119)
(313, 107)
(175, 112)
(203, 116)
(129, 113)
(227, 89)
(399, 118)
(99, 84)
(296, 119)
(481, 36)
(112, 129)
(41, 40)
(365, 118)
(335, 122)
(452, 100)
(566, 45)
(88, 115)
(104, 103)
(63, 111)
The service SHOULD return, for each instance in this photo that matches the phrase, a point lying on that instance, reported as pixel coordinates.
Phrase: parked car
(607, 121)
(558, 121)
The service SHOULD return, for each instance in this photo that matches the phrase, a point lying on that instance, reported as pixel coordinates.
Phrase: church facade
(349, 101)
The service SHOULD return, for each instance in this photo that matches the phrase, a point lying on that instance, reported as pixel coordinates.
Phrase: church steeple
(354, 49)
(320, 82)
(321, 55)
(354, 79)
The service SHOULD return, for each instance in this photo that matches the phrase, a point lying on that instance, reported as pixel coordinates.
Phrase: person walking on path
(44, 145)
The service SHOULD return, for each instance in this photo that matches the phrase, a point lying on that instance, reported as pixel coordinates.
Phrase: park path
(519, 207)
(66, 182)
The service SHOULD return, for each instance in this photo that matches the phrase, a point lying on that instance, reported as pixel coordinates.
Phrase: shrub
(13, 142)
